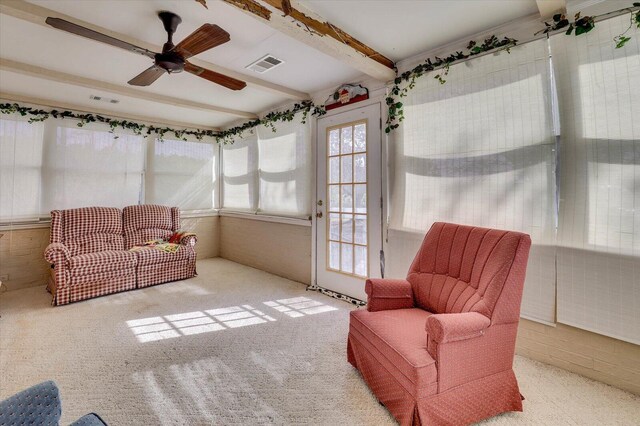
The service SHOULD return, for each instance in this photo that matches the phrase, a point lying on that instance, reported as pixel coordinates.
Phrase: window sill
(288, 220)
(188, 214)
(298, 221)
(45, 222)
(17, 225)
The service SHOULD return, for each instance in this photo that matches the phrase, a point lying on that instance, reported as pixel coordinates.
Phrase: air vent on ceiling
(264, 64)
(103, 99)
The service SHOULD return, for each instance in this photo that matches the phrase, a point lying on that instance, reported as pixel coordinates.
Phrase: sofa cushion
(151, 256)
(148, 222)
(91, 220)
(92, 263)
(93, 243)
(92, 229)
(400, 336)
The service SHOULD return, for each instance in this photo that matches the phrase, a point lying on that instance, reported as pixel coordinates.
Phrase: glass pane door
(347, 189)
(348, 215)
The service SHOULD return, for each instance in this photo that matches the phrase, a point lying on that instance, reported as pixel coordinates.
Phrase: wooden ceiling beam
(61, 77)
(37, 14)
(302, 24)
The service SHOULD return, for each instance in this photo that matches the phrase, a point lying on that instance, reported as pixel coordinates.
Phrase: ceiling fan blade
(204, 38)
(215, 77)
(70, 27)
(148, 76)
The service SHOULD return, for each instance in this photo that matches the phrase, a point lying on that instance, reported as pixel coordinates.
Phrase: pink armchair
(437, 348)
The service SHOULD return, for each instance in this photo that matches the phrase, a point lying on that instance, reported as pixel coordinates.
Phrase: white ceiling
(398, 29)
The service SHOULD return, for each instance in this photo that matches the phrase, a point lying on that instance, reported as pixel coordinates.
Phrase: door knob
(319, 215)
(319, 202)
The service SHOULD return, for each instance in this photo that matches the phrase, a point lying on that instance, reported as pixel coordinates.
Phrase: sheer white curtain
(285, 169)
(182, 173)
(20, 168)
(599, 228)
(89, 166)
(480, 150)
(240, 174)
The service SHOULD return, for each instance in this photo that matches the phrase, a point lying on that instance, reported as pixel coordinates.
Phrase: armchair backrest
(469, 269)
(87, 230)
(149, 222)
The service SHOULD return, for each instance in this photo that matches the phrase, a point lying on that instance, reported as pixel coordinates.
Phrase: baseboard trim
(357, 302)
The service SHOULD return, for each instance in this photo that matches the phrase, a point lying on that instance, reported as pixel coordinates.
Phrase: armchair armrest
(387, 294)
(444, 328)
(56, 253)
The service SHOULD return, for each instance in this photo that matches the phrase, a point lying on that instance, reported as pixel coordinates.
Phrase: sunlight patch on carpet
(210, 320)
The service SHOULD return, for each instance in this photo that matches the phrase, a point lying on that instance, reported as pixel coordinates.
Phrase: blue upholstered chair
(39, 405)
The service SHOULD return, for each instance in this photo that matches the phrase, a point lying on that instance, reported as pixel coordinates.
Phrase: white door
(349, 203)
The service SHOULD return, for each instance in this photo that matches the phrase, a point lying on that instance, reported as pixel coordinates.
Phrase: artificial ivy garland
(580, 25)
(396, 114)
(36, 115)
(226, 136)
(305, 107)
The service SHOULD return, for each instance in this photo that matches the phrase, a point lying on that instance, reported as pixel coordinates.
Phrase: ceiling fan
(173, 57)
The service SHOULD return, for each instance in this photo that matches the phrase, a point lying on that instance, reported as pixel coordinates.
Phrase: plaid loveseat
(90, 257)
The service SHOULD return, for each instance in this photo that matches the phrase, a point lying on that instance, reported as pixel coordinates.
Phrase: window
(599, 222)
(182, 173)
(20, 168)
(240, 171)
(285, 169)
(480, 150)
(57, 165)
(269, 172)
(91, 167)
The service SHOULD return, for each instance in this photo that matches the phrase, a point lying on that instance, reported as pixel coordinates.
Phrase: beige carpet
(234, 346)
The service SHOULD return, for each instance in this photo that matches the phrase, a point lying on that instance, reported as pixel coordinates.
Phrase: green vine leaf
(570, 30)
(621, 41)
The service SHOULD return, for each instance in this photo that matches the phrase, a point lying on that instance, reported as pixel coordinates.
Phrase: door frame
(379, 100)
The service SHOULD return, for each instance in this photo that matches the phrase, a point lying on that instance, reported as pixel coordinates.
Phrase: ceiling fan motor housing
(170, 61)
(170, 21)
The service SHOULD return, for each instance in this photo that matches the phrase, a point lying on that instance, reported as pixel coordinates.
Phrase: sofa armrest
(387, 294)
(56, 253)
(189, 240)
(444, 328)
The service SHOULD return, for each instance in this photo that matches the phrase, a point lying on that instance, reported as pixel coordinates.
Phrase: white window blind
(182, 173)
(480, 150)
(91, 167)
(20, 168)
(240, 174)
(599, 228)
(285, 169)
(269, 172)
